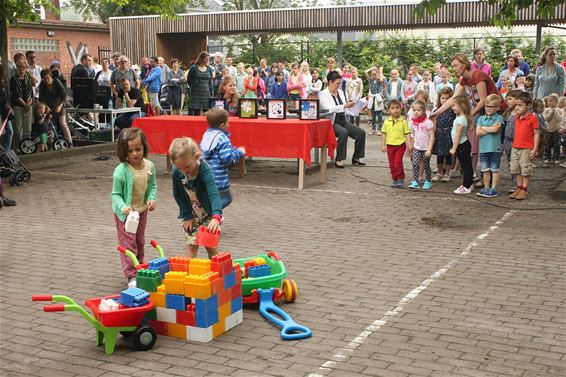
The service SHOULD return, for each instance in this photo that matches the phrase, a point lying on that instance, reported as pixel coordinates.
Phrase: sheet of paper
(359, 105)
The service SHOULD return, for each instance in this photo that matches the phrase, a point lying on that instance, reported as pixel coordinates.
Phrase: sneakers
(398, 183)
(463, 191)
(132, 282)
(445, 178)
(437, 177)
(515, 193)
(545, 163)
(488, 193)
(556, 162)
(427, 185)
(372, 132)
(562, 165)
(522, 195)
(414, 185)
(378, 133)
(5, 202)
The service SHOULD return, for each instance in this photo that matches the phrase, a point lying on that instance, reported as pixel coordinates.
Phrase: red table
(289, 138)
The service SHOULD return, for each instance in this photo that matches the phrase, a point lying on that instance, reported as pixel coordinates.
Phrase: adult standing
(5, 113)
(55, 68)
(511, 72)
(549, 77)
(34, 70)
(79, 72)
(164, 69)
(21, 91)
(333, 99)
(123, 72)
(201, 87)
(231, 69)
(479, 61)
(218, 67)
(176, 81)
(104, 92)
(523, 65)
(153, 84)
(54, 95)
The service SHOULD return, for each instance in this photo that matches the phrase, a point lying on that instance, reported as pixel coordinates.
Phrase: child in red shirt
(525, 145)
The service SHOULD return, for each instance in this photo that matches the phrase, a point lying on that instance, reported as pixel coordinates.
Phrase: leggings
(419, 156)
(463, 152)
(551, 145)
(376, 125)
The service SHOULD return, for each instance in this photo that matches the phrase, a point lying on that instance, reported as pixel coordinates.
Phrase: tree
(507, 9)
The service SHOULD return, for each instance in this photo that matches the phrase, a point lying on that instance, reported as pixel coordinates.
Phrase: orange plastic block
(238, 272)
(199, 266)
(218, 328)
(224, 311)
(236, 291)
(179, 264)
(176, 330)
(198, 286)
(158, 299)
(212, 276)
(161, 289)
(217, 286)
(224, 296)
(175, 282)
(222, 263)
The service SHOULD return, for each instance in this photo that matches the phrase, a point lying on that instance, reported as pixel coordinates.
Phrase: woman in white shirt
(333, 100)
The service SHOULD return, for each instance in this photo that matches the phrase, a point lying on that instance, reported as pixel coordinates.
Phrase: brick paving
(355, 247)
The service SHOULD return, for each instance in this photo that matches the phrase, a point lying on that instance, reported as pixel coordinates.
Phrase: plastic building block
(198, 286)
(211, 317)
(224, 297)
(166, 315)
(222, 263)
(199, 266)
(247, 265)
(212, 275)
(186, 318)
(229, 280)
(236, 291)
(217, 286)
(198, 334)
(161, 265)
(233, 320)
(259, 261)
(176, 302)
(238, 272)
(148, 280)
(179, 264)
(218, 328)
(159, 326)
(150, 314)
(175, 282)
(177, 330)
(236, 305)
(224, 311)
(290, 330)
(259, 271)
(206, 238)
(158, 299)
(134, 297)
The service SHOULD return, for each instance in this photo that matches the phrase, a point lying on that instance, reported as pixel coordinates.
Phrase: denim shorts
(490, 161)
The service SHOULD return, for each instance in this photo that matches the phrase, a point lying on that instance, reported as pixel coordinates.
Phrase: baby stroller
(164, 100)
(12, 167)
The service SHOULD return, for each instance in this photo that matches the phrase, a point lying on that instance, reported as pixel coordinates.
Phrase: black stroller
(12, 167)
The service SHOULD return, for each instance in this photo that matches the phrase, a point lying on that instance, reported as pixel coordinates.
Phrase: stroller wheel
(19, 178)
(27, 146)
(27, 175)
(60, 144)
(12, 179)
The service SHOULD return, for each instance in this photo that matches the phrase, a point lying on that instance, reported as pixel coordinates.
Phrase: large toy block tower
(195, 299)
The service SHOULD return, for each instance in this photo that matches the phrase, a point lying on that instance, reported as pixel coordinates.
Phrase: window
(39, 45)
(40, 10)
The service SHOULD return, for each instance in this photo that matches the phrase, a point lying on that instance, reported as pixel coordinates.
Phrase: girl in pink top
(479, 61)
(295, 86)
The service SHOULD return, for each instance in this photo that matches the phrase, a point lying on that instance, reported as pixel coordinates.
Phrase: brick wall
(64, 34)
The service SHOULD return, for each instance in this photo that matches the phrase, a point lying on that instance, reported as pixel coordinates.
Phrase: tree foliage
(507, 9)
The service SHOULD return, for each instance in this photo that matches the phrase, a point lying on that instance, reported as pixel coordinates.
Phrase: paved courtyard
(392, 282)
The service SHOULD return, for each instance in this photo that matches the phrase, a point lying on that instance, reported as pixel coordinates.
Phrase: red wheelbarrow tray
(123, 317)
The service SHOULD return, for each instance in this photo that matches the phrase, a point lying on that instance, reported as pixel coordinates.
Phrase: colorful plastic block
(233, 320)
(166, 315)
(224, 311)
(199, 266)
(198, 286)
(236, 291)
(177, 330)
(159, 326)
(218, 328)
(217, 286)
(161, 265)
(175, 282)
(134, 297)
(186, 318)
(148, 280)
(158, 299)
(259, 271)
(229, 280)
(207, 238)
(236, 304)
(198, 334)
(150, 314)
(238, 272)
(259, 261)
(179, 264)
(176, 302)
(224, 297)
(222, 263)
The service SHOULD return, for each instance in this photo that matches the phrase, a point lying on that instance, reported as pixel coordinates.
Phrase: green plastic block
(151, 314)
(148, 280)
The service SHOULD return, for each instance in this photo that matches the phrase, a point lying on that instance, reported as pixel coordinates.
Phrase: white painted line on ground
(342, 355)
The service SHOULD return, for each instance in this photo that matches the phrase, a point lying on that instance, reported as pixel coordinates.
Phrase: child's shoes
(437, 177)
(132, 283)
(427, 185)
(445, 178)
(414, 185)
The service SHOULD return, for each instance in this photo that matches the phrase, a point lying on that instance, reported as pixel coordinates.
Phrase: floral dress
(442, 137)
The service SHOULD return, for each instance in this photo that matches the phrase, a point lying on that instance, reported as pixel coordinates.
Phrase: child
(295, 86)
(395, 140)
(443, 138)
(195, 192)
(420, 95)
(240, 78)
(509, 132)
(520, 82)
(354, 91)
(408, 90)
(316, 85)
(553, 117)
(394, 88)
(489, 131)
(375, 99)
(444, 81)
(279, 88)
(218, 153)
(251, 84)
(525, 144)
(41, 119)
(423, 139)
(538, 109)
(428, 86)
(133, 189)
(530, 83)
(461, 146)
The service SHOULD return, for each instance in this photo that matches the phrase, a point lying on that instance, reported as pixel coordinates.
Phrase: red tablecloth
(289, 138)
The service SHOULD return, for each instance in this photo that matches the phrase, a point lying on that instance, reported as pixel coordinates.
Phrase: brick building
(55, 39)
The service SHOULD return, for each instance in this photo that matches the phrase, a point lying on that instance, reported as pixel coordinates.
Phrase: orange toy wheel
(290, 290)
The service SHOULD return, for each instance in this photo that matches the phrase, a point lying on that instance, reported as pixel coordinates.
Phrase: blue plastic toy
(290, 330)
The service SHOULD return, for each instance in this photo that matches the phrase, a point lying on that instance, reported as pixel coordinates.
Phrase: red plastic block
(160, 327)
(223, 296)
(238, 272)
(179, 264)
(186, 318)
(236, 291)
(217, 286)
(248, 264)
(206, 238)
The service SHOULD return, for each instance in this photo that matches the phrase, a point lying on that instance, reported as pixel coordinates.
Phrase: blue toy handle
(290, 330)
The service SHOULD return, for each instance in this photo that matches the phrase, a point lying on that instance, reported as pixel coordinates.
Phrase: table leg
(301, 174)
(242, 167)
(169, 166)
(112, 120)
(323, 154)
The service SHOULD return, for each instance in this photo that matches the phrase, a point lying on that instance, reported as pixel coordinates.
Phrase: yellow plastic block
(158, 299)
(176, 330)
(161, 288)
(198, 286)
(224, 311)
(199, 266)
(179, 264)
(175, 282)
(259, 261)
(218, 328)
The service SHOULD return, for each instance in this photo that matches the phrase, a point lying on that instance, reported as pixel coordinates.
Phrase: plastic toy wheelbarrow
(283, 288)
(125, 320)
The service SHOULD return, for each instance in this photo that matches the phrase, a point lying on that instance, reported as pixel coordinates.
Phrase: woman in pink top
(479, 61)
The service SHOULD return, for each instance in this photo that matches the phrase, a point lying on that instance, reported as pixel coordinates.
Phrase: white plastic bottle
(132, 222)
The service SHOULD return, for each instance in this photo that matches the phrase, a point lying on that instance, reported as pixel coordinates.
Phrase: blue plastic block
(200, 306)
(200, 319)
(259, 271)
(161, 265)
(236, 304)
(134, 297)
(212, 303)
(229, 280)
(211, 317)
(176, 302)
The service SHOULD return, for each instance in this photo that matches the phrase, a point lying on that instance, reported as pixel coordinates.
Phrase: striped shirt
(218, 153)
